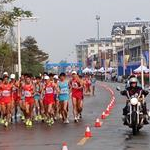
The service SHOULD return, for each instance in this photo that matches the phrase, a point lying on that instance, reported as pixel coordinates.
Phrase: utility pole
(19, 19)
(98, 19)
(142, 64)
(148, 28)
(98, 38)
(123, 45)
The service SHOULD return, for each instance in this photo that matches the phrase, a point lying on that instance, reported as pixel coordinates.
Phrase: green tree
(8, 54)
(8, 18)
(32, 56)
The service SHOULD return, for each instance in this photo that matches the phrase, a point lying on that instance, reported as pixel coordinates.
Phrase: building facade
(128, 41)
(92, 53)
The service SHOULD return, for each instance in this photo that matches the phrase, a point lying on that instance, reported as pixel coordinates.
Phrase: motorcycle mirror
(118, 88)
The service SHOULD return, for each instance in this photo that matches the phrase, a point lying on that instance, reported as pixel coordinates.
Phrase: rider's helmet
(134, 81)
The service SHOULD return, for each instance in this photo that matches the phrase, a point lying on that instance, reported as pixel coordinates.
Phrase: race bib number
(49, 90)
(74, 85)
(27, 94)
(64, 91)
(6, 93)
(14, 89)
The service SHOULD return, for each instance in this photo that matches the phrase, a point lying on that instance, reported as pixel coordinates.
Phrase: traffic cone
(64, 147)
(98, 123)
(110, 106)
(103, 116)
(88, 132)
(107, 112)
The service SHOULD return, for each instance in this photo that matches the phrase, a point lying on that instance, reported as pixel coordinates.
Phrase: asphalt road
(112, 135)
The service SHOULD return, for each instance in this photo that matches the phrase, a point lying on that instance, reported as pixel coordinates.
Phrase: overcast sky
(64, 23)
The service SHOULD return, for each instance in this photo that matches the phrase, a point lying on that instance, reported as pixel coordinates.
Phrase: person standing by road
(93, 82)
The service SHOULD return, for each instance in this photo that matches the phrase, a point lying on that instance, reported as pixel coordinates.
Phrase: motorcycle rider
(133, 89)
(128, 81)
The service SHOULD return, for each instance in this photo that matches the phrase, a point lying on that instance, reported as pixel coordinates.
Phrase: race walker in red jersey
(77, 95)
(6, 100)
(28, 89)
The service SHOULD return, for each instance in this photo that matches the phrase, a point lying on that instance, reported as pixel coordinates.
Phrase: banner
(126, 60)
(107, 63)
(146, 58)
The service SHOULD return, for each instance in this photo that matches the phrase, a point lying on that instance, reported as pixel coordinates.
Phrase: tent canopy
(87, 70)
(139, 69)
(102, 70)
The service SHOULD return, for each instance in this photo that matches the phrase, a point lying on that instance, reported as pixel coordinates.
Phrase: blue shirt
(64, 91)
(93, 81)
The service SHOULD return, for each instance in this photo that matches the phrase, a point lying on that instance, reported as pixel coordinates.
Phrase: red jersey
(15, 91)
(28, 90)
(6, 93)
(49, 93)
(76, 91)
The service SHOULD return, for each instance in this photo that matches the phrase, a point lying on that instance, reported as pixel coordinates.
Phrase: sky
(64, 23)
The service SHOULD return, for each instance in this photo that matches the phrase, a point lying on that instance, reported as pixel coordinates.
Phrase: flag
(146, 57)
(107, 63)
(126, 60)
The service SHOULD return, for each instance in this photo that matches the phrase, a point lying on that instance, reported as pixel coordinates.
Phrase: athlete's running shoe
(30, 123)
(36, 118)
(76, 120)
(51, 121)
(6, 124)
(40, 117)
(27, 122)
(48, 121)
(2, 121)
(80, 115)
(66, 121)
(22, 117)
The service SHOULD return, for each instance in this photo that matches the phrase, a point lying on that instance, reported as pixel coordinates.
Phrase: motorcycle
(135, 117)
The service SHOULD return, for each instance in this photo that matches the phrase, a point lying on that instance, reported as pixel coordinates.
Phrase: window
(128, 31)
(128, 39)
(118, 39)
(92, 45)
(92, 51)
(138, 31)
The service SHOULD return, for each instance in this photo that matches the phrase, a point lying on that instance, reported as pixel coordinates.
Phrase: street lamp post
(19, 51)
(149, 51)
(105, 56)
(142, 64)
(123, 45)
(97, 18)
(19, 19)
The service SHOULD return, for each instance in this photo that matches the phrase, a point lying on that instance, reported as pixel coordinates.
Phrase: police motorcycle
(135, 116)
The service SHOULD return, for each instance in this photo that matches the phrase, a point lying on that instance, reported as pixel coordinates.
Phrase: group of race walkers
(43, 98)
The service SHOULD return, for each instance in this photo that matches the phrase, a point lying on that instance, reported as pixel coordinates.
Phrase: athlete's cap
(46, 77)
(5, 73)
(56, 77)
(74, 72)
(12, 76)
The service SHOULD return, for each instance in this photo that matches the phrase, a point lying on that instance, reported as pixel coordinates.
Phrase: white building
(90, 51)
(81, 51)
(127, 31)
